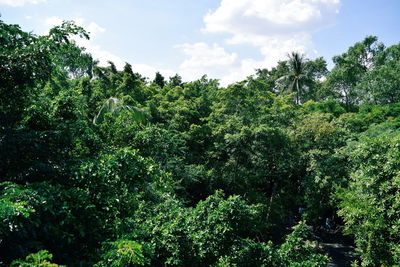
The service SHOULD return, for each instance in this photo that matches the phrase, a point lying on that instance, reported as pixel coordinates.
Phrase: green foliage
(159, 80)
(176, 235)
(119, 178)
(317, 131)
(122, 253)
(175, 80)
(27, 60)
(162, 229)
(250, 253)
(40, 259)
(114, 106)
(216, 224)
(297, 250)
(101, 165)
(14, 205)
(370, 205)
(328, 106)
(325, 173)
(350, 68)
(301, 77)
(319, 138)
(381, 84)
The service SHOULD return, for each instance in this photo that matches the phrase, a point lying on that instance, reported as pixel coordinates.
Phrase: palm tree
(113, 105)
(297, 75)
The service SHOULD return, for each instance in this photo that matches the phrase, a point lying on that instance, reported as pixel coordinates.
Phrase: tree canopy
(104, 167)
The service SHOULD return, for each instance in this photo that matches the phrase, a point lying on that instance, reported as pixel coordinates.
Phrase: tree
(116, 191)
(159, 80)
(175, 80)
(301, 77)
(27, 60)
(122, 253)
(349, 69)
(370, 205)
(114, 106)
(42, 258)
(381, 84)
(30, 66)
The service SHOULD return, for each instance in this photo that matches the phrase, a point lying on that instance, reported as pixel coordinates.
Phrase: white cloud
(94, 29)
(52, 21)
(20, 3)
(216, 62)
(274, 27)
(270, 17)
(202, 58)
(150, 71)
(203, 55)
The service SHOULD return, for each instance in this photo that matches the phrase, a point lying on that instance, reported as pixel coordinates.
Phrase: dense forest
(104, 167)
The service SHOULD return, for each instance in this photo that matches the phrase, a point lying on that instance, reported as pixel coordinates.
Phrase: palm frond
(114, 105)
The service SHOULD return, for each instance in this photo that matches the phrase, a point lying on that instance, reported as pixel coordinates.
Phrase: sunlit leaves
(114, 106)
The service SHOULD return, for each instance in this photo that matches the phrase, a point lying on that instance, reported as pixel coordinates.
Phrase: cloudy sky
(225, 39)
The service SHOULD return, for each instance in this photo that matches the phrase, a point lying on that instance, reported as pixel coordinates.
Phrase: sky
(225, 39)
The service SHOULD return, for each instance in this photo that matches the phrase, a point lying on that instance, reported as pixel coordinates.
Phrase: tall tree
(293, 79)
(381, 85)
(302, 76)
(175, 80)
(350, 67)
(159, 80)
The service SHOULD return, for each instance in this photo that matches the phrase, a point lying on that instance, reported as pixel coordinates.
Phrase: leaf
(113, 105)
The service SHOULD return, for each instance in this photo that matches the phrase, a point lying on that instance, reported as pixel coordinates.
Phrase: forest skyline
(226, 40)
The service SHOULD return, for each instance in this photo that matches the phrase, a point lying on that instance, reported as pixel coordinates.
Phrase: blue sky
(225, 39)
